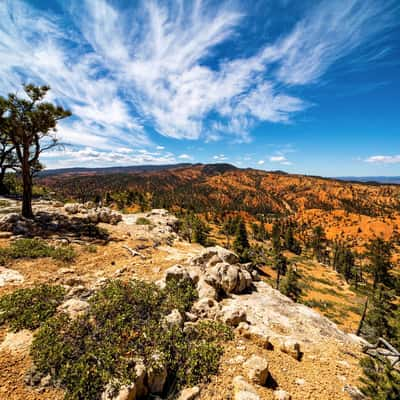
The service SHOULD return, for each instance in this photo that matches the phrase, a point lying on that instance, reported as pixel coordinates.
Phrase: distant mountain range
(134, 169)
(372, 179)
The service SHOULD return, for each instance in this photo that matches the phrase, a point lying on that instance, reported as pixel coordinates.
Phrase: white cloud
(329, 32)
(75, 157)
(280, 159)
(261, 162)
(277, 158)
(384, 159)
(185, 157)
(220, 157)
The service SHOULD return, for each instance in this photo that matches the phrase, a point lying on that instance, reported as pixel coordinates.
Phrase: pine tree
(318, 243)
(30, 124)
(241, 242)
(379, 253)
(381, 381)
(379, 316)
(280, 264)
(343, 261)
(276, 238)
(290, 285)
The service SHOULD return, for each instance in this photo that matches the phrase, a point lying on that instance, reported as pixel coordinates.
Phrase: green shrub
(29, 308)
(91, 248)
(35, 248)
(381, 381)
(143, 221)
(124, 323)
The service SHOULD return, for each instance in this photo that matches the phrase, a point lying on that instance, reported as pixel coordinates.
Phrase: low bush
(29, 308)
(124, 324)
(35, 248)
(143, 221)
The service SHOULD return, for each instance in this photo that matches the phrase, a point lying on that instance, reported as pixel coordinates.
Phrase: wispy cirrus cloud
(384, 159)
(155, 66)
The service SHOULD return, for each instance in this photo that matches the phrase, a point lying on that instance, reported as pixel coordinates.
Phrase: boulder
(125, 392)
(206, 308)
(232, 315)
(244, 390)
(291, 347)
(74, 307)
(205, 290)
(189, 393)
(212, 255)
(250, 333)
(228, 278)
(176, 272)
(257, 369)
(281, 395)
(17, 342)
(9, 276)
(173, 319)
(71, 208)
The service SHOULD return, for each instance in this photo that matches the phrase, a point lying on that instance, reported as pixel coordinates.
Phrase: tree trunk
(2, 186)
(278, 278)
(27, 193)
(362, 317)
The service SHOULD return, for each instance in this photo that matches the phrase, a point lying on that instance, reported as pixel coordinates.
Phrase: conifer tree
(318, 243)
(276, 238)
(379, 254)
(381, 381)
(280, 264)
(290, 285)
(379, 316)
(30, 124)
(241, 242)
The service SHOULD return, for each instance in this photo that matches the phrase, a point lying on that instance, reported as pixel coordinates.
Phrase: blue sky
(304, 86)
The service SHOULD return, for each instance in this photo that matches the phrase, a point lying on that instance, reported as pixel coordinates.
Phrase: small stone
(125, 392)
(257, 369)
(189, 393)
(17, 342)
(300, 381)
(281, 395)
(74, 307)
(291, 347)
(173, 319)
(244, 390)
(5, 235)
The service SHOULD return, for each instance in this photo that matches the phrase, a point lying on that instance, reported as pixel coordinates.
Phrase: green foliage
(143, 221)
(241, 243)
(35, 248)
(276, 238)
(379, 254)
(30, 308)
(318, 244)
(193, 229)
(179, 294)
(290, 285)
(379, 317)
(343, 261)
(280, 265)
(381, 381)
(91, 248)
(29, 125)
(123, 324)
